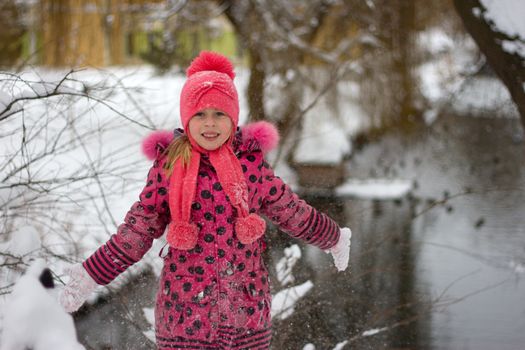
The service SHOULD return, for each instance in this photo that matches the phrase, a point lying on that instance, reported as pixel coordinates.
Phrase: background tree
(289, 59)
(12, 33)
(312, 47)
(509, 66)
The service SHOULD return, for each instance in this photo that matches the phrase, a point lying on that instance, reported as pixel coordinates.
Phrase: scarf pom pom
(183, 235)
(250, 228)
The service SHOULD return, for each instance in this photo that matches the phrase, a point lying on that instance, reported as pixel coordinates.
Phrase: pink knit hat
(209, 85)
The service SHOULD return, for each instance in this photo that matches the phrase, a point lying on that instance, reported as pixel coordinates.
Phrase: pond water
(465, 247)
(443, 268)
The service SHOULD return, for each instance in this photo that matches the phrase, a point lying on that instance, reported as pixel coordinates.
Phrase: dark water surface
(443, 268)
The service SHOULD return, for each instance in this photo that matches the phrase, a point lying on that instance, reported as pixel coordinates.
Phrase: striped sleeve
(145, 221)
(294, 216)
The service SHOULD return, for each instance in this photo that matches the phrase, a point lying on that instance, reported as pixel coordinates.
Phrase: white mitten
(341, 251)
(78, 289)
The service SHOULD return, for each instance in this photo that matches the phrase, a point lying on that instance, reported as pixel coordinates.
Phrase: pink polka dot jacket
(216, 295)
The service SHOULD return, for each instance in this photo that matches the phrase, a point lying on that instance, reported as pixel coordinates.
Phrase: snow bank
(341, 345)
(484, 96)
(149, 314)
(33, 319)
(375, 188)
(283, 303)
(285, 265)
(373, 331)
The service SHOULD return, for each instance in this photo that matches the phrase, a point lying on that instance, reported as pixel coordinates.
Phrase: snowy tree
(58, 162)
(498, 29)
(299, 53)
(308, 54)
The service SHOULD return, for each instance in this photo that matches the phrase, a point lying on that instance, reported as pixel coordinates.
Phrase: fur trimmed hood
(259, 136)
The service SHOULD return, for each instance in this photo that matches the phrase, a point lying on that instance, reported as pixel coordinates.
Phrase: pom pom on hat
(211, 61)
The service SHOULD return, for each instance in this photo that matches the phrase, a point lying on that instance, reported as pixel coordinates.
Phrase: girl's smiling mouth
(210, 135)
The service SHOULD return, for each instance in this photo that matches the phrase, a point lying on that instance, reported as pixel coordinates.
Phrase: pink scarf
(182, 234)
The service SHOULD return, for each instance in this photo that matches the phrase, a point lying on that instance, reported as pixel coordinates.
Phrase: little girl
(209, 183)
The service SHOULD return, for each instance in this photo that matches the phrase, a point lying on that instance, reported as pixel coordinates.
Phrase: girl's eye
(220, 114)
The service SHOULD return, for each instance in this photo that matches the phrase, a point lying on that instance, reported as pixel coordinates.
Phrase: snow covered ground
(33, 319)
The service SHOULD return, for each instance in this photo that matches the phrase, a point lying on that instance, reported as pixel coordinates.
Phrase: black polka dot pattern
(196, 206)
(221, 282)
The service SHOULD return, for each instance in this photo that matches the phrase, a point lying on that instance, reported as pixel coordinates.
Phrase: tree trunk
(256, 86)
(72, 33)
(403, 61)
(255, 90)
(510, 68)
(11, 35)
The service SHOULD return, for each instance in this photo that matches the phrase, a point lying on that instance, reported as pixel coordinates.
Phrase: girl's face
(210, 128)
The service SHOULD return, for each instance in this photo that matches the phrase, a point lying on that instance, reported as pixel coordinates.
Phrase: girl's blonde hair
(178, 148)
